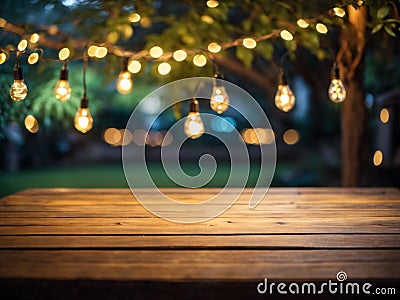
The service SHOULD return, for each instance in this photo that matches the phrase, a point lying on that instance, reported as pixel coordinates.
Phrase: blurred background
(51, 153)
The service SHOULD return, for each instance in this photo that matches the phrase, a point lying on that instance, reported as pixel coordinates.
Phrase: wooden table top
(294, 234)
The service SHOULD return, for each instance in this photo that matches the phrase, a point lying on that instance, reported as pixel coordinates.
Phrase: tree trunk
(354, 112)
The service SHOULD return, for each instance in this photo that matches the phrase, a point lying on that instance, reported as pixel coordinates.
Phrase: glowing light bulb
(284, 98)
(62, 90)
(302, 23)
(194, 127)
(124, 82)
(219, 101)
(18, 90)
(83, 121)
(180, 55)
(336, 91)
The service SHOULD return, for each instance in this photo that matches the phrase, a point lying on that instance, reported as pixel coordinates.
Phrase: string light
(33, 58)
(384, 115)
(340, 12)
(284, 97)
(207, 19)
(219, 100)
(31, 124)
(92, 51)
(83, 120)
(145, 22)
(18, 90)
(164, 68)
(199, 60)
(62, 90)
(378, 158)
(34, 38)
(336, 90)
(212, 3)
(179, 55)
(286, 35)
(124, 82)
(302, 23)
(249, 43)
(64, 53)
(194, 126)
(3, 58)
(134, 66)
(134, 18)
(22, 45)
(101, 52)
(214, 47)
(156, 52)
(321, 28)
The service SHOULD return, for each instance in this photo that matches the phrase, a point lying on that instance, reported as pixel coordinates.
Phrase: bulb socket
(84, 102)
(64, 74)
(18, 75)
(194, 106)
(282, 79)
(335, 72)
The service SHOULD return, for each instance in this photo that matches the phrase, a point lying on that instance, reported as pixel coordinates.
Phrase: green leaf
(383, 12)
(265, 49)
(245, 55)
(389, 31)
(377, 28)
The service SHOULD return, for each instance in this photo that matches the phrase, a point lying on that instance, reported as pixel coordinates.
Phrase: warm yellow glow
(286, 35)
(302, 23)
(3, 58)
(62, 90)
(164, 68)
(214, 47)
(179, 55)
(33, 58)
(3, 22)
(92, 51)
(321, 28)
(18, 90)
(384, 115)
(199, 60)
(284, 98)
(378, 158)
(53, 30)
(112, 136)
(337, 91)
(249, 43)
(124, 83)
(258, 136)
(194, 127)
(134, 18)
(83, 121)
(212, 3)
(126, 137)
(207, 19)
(145, 22)
(219, 101)
(22, 45)
(64, 53)
(139, 137)
(156, 52)
(31, 124)
(340, 12)
(134, 66)
(291, 137)
(101, 52)
(34, 38)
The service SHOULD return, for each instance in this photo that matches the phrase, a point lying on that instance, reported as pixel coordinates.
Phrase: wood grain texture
(295, 233)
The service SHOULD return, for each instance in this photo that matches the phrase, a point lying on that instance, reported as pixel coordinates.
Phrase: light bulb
(124, 82)
(336, 91)
(284, 98)
(18, 90)
(219, 101)
(194, 127)
(83, 121)
(62, 90)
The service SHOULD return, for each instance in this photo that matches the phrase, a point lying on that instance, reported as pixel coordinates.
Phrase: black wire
(85, 63)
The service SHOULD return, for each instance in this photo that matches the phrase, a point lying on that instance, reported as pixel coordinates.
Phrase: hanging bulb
(336, 91)
(284, 98)
(62, 90)
(219, 101)
(83, 121)
(194, 127)
(18, 90)
(124, 82)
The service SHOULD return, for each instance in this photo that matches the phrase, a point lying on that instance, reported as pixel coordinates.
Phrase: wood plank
(317, 241)
(199, 265)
